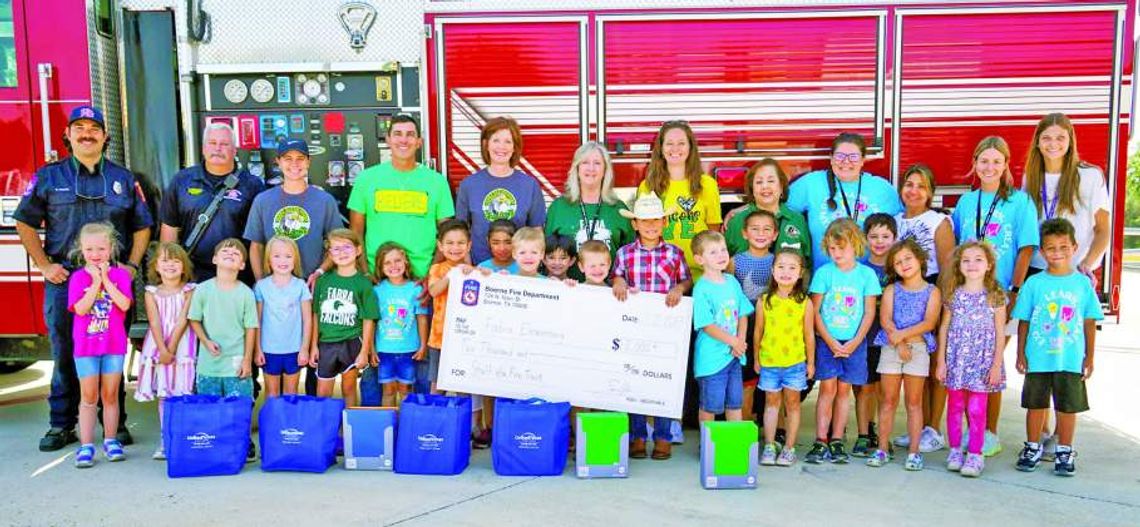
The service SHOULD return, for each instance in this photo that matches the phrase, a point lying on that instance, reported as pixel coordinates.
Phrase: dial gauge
(261, 90)
(235, 91)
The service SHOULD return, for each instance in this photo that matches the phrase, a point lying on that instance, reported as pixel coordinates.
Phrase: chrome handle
(45, 73)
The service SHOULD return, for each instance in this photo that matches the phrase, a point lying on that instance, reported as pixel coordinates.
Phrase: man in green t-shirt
(401, 201)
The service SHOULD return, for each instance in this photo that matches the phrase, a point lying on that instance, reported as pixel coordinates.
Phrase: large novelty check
(510, 336)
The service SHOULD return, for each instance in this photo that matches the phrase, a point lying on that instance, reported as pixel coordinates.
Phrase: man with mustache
(195, 187)
(62, 197)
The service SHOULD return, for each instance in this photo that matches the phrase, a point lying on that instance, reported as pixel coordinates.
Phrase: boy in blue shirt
(1057, 310)
(720, 315)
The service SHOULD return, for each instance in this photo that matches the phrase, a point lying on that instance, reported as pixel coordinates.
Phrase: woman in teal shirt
(842, 191)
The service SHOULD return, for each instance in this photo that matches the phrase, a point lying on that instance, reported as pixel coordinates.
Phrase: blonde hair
(1069, 186)
(594, 247)
(999, 144)
(529, 235)
(292, 245)
(350, 235)
(169, 251)
(844, 231)
(574, 190)
(657, 176)
(994, 292)
(382, 253)
(704, 239)
(97, 228)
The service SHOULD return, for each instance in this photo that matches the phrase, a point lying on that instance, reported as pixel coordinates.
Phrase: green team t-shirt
(225, 315)
(342, 304)
(583, 222)
(792, 226)
(402, 207)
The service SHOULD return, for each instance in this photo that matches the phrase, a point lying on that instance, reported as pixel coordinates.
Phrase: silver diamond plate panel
(104, 62)
(267, 32)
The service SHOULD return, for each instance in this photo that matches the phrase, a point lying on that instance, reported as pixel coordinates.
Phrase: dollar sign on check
(616, 345)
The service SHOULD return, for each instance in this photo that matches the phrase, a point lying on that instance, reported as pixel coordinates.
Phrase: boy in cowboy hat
(650, 264)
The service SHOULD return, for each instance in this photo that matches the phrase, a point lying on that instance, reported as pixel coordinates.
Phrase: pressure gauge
(311, 88)
(261, 90)
(235, 91)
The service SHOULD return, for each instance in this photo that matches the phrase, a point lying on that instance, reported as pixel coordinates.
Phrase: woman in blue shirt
(1006, 218)
(842, 191)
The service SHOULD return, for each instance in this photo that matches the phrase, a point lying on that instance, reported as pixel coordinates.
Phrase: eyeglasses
(853, 157)
(341, 249)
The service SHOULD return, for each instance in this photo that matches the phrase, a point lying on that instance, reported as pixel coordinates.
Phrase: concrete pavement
(44, 488)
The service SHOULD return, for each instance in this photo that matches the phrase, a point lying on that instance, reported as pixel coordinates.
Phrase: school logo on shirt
(602, 233)
(686, 219)
(840, 308)
(1053, 328)
(339, 308)
(499, 204)
(232, 195)
(292, 222)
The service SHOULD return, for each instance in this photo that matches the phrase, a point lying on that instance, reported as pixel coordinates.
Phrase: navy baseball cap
(90, 113)
(288, 144)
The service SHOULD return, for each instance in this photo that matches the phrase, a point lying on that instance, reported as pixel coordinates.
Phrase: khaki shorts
(917, 366)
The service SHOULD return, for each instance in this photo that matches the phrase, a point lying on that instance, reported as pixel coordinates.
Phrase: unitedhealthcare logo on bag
(292, 436)
(201, 440)
(470, 296)
(430, 441)
(528, 441)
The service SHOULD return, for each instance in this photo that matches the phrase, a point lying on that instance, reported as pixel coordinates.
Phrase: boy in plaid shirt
(650, 264)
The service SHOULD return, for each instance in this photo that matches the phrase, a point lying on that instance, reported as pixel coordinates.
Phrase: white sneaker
(1048, 447)
(902, 441)
(159, 454)
(931, 441)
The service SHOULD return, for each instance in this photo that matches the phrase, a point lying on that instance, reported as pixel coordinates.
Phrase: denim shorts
(397, 367)
(224, 386)
(723, 390)
(794, 377)
(281, 364)
(851, 370)
(99, 365)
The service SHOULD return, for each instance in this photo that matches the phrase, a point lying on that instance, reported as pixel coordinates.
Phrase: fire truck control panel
(343, 115)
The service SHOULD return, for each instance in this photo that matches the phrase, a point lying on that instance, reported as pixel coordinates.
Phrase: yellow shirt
(691, 215)
(783, 342)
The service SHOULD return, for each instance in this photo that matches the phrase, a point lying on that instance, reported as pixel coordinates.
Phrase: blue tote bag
(206, 435)
(433, 435)
(531, 437)
(299, 433)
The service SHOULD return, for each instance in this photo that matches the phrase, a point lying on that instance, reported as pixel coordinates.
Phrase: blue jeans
(662, 427)
(63, 399)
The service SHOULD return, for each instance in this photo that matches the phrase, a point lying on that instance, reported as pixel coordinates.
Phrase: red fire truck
(923, 81)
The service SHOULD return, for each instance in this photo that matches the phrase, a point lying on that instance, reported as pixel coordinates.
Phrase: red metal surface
(488, 62)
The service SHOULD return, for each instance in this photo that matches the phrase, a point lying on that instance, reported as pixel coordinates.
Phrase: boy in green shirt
(223, 314)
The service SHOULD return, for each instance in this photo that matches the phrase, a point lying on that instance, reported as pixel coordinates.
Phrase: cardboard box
(730, 454)
(369, 438)
(602, 445)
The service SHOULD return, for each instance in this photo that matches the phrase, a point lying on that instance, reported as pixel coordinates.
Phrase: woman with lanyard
(589, 209)
(1062, 186)
(842, 191)
(766, 187)
(499, 191)
(1004, 217)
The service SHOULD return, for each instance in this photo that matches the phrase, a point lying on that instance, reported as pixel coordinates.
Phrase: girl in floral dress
(969, 357)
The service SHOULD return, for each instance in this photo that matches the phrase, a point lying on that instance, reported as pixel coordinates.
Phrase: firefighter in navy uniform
(187, 201)
(62, 197)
